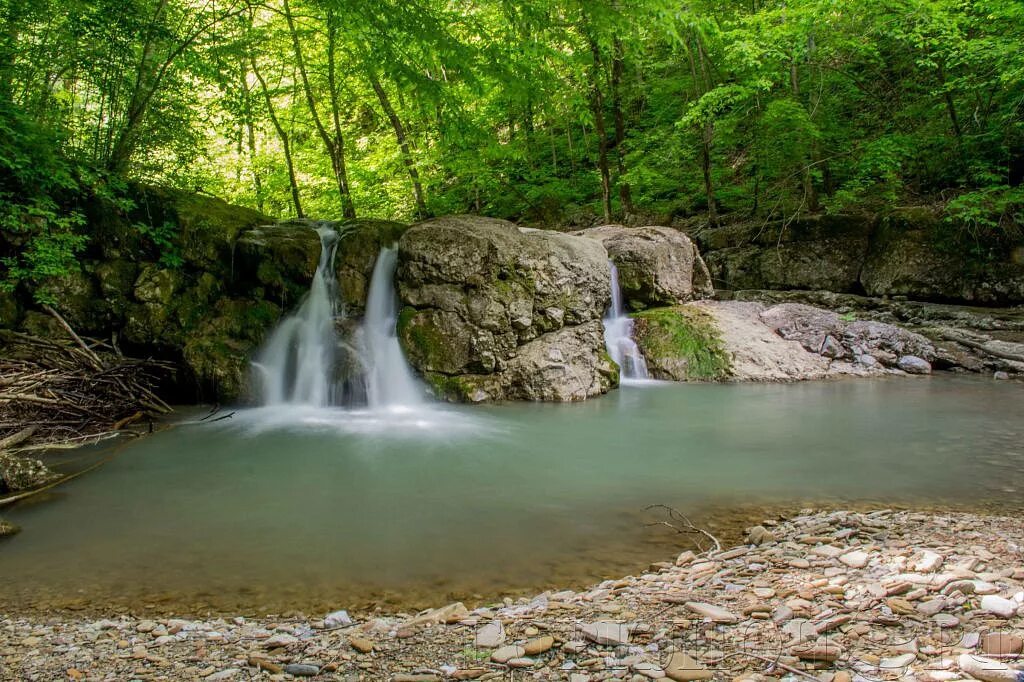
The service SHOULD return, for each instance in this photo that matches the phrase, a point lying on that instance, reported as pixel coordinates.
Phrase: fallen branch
(983, 347)
(773, 662)
(68, 393)
(688, 527)
(95, 359)
(18, 437)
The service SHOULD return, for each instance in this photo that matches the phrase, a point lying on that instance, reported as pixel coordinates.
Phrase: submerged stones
(7, 529)
(23, 473)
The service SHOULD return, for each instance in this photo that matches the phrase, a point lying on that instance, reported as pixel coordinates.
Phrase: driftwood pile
(62, 392)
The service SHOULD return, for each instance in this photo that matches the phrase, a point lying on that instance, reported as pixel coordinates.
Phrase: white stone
(491, 636)
(897, 662)
(337, 619)
(855, 559)
(712, 612)
(987, 669)
(1004, 608)
(606, 633)
(929, 562)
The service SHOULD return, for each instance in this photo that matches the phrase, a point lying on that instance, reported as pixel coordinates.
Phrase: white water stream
(618, 335)
(389, 379)
(297, 367)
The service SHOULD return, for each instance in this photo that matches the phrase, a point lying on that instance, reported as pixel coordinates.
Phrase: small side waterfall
(389, 379)
(618, 335)
(296, 365)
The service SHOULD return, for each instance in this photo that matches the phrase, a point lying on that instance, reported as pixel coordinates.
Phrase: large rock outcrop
(657, 266)
(865, 342)
(206, 298)
(493, 311)
(909, 252)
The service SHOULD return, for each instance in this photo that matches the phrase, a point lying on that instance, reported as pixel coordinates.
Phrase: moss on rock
(681, 343)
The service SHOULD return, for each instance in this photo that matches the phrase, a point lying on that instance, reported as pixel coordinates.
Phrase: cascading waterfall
(299, 364)
(618, 335)
(296, 366)
(389, 379)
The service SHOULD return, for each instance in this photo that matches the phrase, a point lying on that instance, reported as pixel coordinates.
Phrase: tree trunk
(250, 132)
(597, 103)
(810, 194)
(702, 84)
(333, 145)
(625, 192)
(283, 135)
(403, 144)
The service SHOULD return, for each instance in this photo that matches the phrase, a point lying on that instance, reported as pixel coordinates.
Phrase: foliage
(33, 177)
(402, 108)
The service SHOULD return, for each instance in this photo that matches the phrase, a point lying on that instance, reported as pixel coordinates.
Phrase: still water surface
(272, 510)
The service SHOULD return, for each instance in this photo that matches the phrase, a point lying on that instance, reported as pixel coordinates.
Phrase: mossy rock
(8, 529)
(10, 310)
(681, 343)
(460, 389)
(217, 353)
(358, 247)
(433, 341)
(75, 298)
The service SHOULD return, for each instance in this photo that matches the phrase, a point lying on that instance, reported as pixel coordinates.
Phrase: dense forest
(554, 112)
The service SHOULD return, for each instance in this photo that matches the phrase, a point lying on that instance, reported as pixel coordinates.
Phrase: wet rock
(302, 669)
(494, 311)
(657, 266)
(23, 473)
(911, 364)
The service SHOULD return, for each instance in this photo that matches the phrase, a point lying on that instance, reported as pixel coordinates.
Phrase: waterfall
(618, 335)
(389, 379)
(296, 366)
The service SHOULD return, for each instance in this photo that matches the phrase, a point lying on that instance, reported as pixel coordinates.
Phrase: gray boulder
(493, 311)
(657, 266)
(826, 333)
(911, 364)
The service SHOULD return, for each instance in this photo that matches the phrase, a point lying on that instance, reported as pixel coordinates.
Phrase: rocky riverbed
(831, 596)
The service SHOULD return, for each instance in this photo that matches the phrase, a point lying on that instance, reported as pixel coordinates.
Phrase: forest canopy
(549, 111)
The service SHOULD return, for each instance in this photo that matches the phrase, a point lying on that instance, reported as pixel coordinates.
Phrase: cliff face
(207, 296)
(907, 252)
